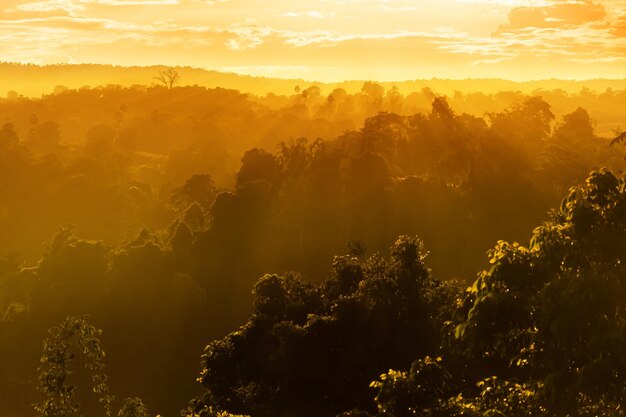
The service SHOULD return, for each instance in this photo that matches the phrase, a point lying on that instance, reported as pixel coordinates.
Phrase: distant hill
(33, 80)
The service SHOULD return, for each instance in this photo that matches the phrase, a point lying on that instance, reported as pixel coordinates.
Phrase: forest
(176, 249)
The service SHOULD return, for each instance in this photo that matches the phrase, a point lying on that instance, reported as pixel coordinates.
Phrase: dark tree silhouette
(71, 345)
(168, 77)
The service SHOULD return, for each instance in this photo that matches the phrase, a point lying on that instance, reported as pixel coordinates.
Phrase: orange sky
(327, 40)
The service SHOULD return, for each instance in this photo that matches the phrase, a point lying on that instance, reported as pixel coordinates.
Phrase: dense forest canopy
(163, 225)
(137, 145)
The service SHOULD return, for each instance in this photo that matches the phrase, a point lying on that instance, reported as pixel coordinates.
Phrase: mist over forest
(225, 245)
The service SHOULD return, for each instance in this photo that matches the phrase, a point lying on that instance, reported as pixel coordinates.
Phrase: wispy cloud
(74, 6)
(526, 38)
(511, 3)
(555, 14)
(314, 14)
(51, 6)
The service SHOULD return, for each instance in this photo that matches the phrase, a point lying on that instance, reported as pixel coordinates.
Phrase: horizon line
(253, 75)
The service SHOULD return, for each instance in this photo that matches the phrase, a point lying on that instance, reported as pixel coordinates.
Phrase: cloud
(585, 42)
(312, 14)
(490, 61)
(619, 28)
(514, 3)
(73, 6)
(68, 6)
(575, 31)
(554, 15)
(291, 38)
(330, 38)
(135, 2)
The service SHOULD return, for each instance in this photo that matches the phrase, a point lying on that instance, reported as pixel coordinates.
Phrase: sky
(326, 40)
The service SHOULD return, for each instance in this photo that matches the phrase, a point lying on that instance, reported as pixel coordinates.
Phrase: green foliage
(509, 398)
(541, 332)
(554, 307)
(313, 349)
(71, 345)
(258, 165)
(132, 407)
(116, 161)
(198, 188)
(207, 411)
(426, 390)
(416, 392)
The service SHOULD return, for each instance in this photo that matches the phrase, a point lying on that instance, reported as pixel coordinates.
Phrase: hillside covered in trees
(34, 80)
(366, 252)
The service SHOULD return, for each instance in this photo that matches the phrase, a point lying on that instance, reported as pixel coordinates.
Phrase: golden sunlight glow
(327, 40)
